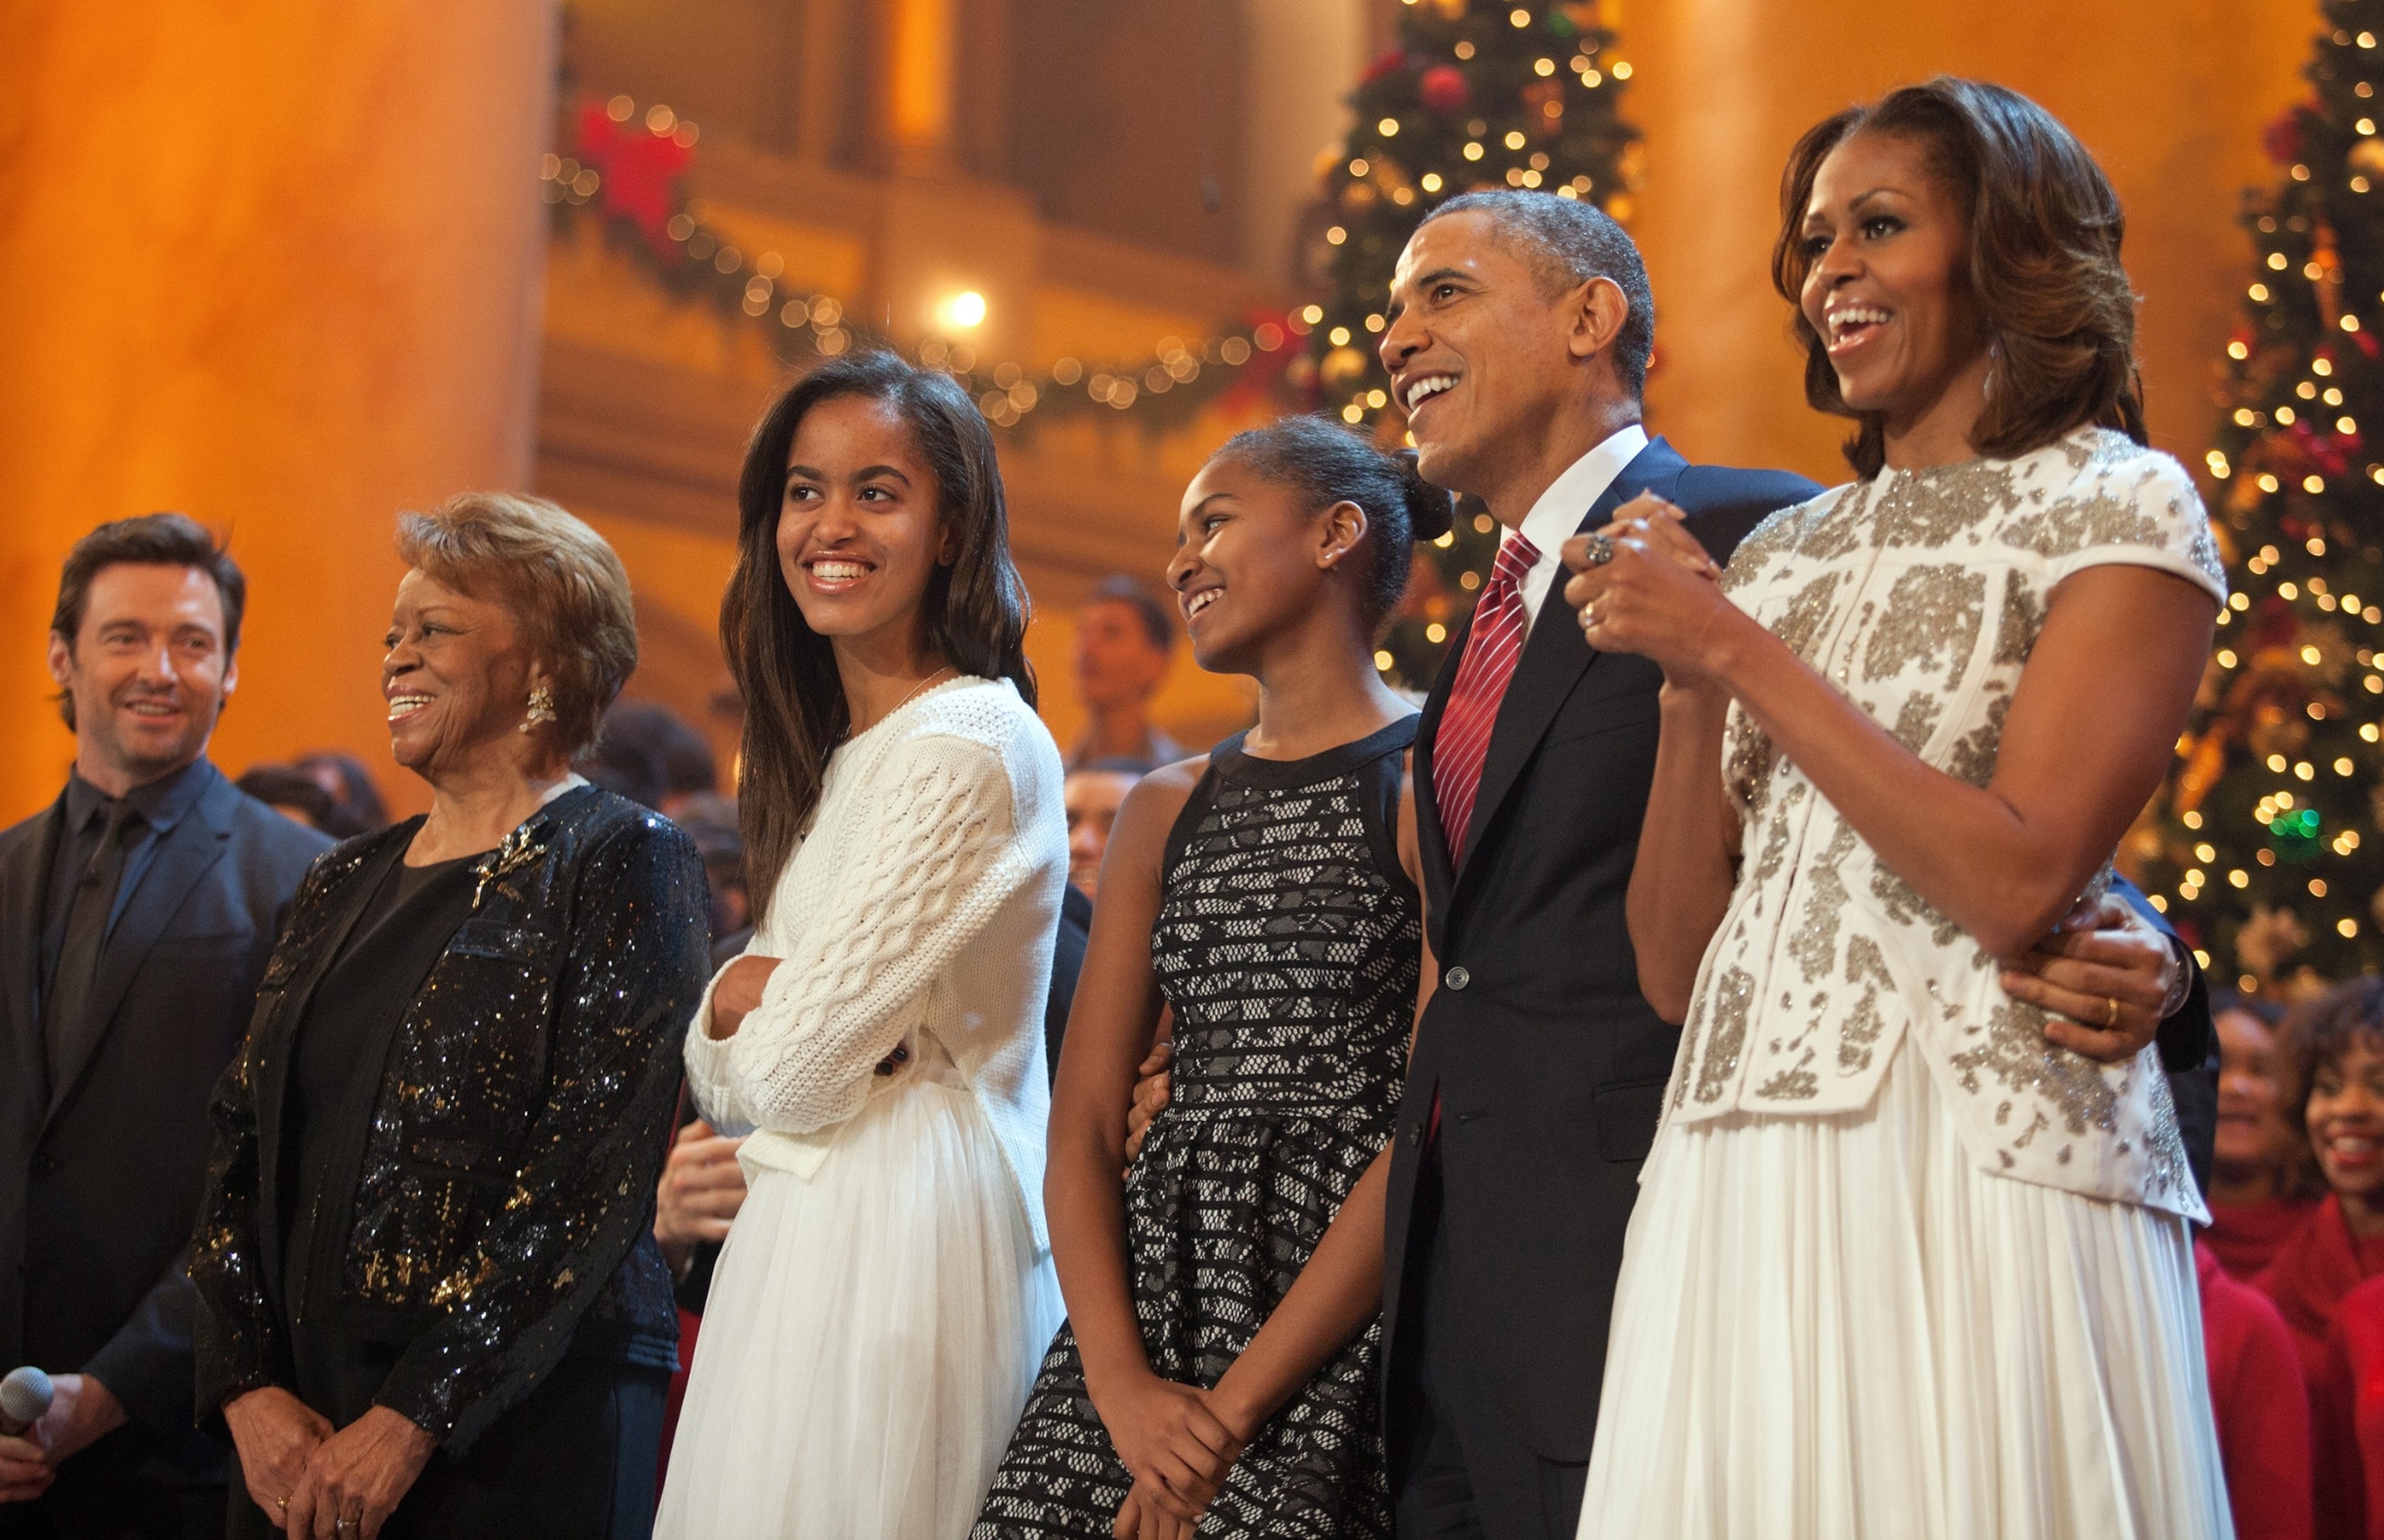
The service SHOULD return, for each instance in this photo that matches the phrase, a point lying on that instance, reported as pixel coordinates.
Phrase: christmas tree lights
(2264, 846)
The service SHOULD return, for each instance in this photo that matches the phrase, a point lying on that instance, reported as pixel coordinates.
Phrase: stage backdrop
(275, 263)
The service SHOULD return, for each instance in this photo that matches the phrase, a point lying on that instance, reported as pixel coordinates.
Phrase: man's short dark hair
(150, 540)
(1571, 241)
(1118, 588)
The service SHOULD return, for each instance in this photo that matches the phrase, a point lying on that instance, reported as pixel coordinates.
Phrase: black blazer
(489, 1200)
(1067, 962)
(1549, 1063)
(100, 1171)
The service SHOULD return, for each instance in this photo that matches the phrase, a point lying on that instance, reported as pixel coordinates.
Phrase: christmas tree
(1475, 95)
(2264, 845)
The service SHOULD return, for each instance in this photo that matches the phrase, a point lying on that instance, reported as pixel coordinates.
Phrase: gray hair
(1571, 241)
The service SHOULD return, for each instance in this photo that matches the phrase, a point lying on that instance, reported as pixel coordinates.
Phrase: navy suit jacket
(1548, 1063)
(100, 1167)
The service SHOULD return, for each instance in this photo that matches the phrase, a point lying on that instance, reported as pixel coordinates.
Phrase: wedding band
(281, 1503)
(2111, 1016)
(1588, 616)
(1601, 550)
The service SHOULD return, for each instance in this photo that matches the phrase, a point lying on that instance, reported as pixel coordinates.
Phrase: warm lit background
(285, 266)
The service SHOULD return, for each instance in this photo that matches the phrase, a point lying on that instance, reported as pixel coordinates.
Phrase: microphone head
(24, 1394)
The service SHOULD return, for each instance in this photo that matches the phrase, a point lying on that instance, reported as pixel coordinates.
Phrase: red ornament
(2273, 624)
(1443, 90)
(2283, 138)
(2306, 447)
(1392, 59)
(639, 172)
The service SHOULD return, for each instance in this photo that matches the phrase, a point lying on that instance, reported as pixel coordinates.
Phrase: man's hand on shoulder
(1153, 1089)
(2107, 976)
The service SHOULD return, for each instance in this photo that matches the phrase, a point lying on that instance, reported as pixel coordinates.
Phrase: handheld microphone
(24, 1398)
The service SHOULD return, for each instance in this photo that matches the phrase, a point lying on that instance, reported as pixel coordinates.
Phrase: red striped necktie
(1500, 623)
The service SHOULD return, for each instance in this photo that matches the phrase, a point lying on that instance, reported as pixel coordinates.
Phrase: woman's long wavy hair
(975, 610)
(2045, 229)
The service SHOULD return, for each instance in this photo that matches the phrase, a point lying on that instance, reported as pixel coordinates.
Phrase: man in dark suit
(1521, 328)
(136, 915)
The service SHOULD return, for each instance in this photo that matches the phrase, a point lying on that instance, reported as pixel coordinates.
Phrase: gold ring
(281, 1503)
(2112, 1017)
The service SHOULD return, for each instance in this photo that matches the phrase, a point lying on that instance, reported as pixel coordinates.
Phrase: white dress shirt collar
(1561, 509)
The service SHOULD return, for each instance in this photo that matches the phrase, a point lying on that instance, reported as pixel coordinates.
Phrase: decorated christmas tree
(1475, 95)
(2265, 845)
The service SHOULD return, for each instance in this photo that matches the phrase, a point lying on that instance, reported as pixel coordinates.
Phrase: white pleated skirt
(1838, 1328)
(870, 1338)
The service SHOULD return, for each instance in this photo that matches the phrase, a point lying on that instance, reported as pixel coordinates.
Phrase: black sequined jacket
(503, 1178)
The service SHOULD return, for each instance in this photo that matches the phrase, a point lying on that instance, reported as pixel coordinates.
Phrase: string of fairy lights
(696, 257)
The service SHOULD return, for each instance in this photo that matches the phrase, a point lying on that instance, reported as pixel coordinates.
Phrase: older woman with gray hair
(430, 1298)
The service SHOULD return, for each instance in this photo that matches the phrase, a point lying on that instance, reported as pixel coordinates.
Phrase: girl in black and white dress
(1219, 1368)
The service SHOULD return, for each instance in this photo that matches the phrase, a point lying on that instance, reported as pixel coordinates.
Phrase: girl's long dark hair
(974, 608)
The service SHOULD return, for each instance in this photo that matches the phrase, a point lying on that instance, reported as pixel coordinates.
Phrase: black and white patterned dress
(1288, 942)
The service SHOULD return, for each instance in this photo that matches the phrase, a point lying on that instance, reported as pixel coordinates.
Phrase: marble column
(275, 264)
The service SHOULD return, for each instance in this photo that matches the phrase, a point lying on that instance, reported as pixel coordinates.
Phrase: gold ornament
(1342, 366)
(2266, 939)
(2367, 155)
(2205, 762)
(2274, 730)
(1450, 10)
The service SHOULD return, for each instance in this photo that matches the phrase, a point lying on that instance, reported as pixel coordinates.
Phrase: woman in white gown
(1904, 1265)
(883, 1300)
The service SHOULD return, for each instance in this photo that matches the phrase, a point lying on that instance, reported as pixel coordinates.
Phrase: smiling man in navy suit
(136, 915)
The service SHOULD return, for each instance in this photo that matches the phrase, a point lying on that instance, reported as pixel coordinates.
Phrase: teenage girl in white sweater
(880, 1307)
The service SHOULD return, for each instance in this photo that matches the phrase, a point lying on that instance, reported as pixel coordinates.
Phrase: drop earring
(541, 709)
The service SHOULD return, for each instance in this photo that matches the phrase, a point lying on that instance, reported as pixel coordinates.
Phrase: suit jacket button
(1456, 978)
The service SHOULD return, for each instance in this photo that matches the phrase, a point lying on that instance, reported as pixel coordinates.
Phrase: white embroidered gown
(887, 1291)
(1899, 1269)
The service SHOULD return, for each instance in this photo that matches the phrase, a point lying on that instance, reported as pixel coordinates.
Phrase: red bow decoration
(641, 172)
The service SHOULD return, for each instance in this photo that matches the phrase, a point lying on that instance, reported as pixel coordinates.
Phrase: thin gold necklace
(916, 691)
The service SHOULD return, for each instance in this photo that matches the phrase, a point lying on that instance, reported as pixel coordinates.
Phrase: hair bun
(1432, 512)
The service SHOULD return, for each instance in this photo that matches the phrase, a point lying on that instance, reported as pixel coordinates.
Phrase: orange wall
(2169, 94)
(275, 264)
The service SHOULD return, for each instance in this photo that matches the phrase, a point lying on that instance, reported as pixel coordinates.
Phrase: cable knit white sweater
(923, 900)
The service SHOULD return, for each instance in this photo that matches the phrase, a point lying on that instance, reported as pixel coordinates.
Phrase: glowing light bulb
(962, 311)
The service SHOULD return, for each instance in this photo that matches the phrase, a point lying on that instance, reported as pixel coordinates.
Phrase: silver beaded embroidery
(1734, 1001)
(1933, 616)
(1980, 548)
